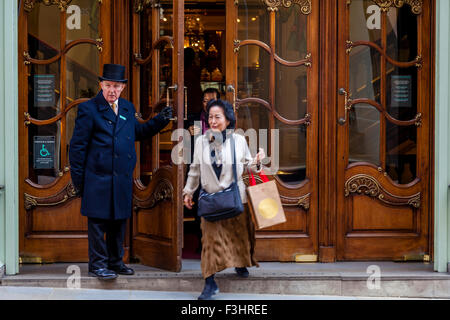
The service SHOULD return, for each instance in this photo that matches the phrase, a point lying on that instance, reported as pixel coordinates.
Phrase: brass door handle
(175, 88)
(342, 92)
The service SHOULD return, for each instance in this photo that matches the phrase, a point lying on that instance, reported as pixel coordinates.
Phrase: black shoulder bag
(224, 204)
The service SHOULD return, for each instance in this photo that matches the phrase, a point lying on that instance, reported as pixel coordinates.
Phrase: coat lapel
(123, 116)
(104, 108)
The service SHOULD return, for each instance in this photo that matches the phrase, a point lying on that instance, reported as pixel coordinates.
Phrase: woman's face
(217, 120)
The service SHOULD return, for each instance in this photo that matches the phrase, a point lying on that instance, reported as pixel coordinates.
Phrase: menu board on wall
(401, 87)
(44, 90)
(44, 152)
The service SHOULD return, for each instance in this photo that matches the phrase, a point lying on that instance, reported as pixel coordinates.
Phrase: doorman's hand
(188, 201)
(166, 113)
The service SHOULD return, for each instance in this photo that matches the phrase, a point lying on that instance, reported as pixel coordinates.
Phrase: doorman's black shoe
(210, 289)
(103, 274)
(123, 269)
(242, 272)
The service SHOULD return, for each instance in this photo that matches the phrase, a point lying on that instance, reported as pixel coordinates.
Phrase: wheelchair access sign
(44, 152)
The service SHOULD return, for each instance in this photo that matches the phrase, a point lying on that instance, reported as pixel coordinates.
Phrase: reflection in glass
(365, 21)
(44, 90)
(402, 34)
(401, 92)
(364, 134)
(83, 68)
(44, 152)
(71, 115)
(252, 116)
(364, 75)
(291, 91)
(291, 30)
(253, 21)
(82, 20)
(166, 19)
(44, 31)
(401, 152)
(253, 73)
(292, 157)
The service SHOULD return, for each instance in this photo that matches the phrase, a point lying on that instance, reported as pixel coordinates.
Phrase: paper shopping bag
(264, 202)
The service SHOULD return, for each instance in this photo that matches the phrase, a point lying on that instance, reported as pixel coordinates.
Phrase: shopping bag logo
(268, 208)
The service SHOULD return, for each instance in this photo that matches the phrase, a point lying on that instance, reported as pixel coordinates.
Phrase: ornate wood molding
(28, 5)
(416, 5)
(62, 196)
(273, 5)
(367, 185)
(162, 192)
(140, 5)
(302, 202)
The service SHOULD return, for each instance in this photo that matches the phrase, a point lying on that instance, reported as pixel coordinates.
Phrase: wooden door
(385, 110)
(157, 77)
(62, 48)
(272, 77)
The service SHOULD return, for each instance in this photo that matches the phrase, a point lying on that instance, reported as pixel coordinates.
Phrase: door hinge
(306, 258)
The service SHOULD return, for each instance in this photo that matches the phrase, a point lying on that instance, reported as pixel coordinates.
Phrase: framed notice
(401, 87)
(44, 152)
(44, 90)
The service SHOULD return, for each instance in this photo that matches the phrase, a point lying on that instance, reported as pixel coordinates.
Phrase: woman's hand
(188, 201)
(259, 156)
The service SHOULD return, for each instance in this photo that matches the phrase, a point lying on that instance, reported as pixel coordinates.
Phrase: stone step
(397, 280)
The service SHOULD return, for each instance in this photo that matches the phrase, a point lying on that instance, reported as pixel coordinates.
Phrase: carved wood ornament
(367, 185)
(416, 5)
(273, 5)
(65, 194)
(163, 191)
(28, 5)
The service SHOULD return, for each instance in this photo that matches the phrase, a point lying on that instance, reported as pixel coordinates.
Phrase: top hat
(113, 72)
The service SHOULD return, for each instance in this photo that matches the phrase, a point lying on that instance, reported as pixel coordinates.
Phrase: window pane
(44, 91)
(291, 91)
(291, 30)
(253, 21)
(44, 152)
(44, 31)
(364, 75)
(82, 20)
(365, 21)
(83, 68)
(402, 34)
(253, 73)
(293, 146)
(401, 92)
(364, 134)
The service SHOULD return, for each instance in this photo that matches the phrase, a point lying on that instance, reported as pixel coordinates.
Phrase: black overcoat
(102, 156)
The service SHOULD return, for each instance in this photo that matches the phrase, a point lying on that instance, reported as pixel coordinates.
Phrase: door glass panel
(44, 91)
(44, 152)
(402, 34)
(253, 73)
(364, 75)
(71, 115)
(292, 156)
(253, 21)
(364, 134)
(401, 92)
(252, 116)
(401, 152)
(44, 31)
(82, 20)
(83, 68)
(365, 21)
(291, 91)
(165, 19)
(291, 29)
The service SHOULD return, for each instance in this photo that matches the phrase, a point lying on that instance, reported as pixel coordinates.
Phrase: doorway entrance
(339, 93)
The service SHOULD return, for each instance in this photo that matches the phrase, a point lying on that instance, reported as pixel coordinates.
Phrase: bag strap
(261, 175)
(233, 151)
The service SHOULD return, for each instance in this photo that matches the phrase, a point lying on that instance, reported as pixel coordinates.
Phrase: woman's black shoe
(210, 289)
(242, 272)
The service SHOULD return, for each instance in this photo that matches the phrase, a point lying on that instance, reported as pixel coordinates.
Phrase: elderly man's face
(112, 90)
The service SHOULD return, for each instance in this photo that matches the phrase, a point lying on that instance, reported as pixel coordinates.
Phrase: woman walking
(230, 242)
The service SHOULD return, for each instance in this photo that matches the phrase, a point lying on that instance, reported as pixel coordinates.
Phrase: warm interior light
(253, 19)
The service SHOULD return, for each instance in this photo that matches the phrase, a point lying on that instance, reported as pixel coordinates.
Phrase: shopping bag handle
(261, 175)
